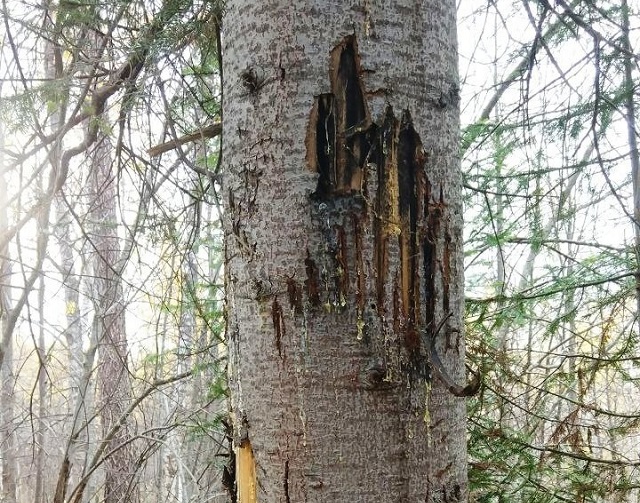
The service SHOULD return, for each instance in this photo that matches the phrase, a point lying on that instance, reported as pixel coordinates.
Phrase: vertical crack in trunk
(278, 324)
(285, 482)
(410, 166)
(325, 143)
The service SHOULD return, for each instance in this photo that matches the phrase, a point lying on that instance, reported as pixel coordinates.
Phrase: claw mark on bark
(295, 299)
(286, 482)
(408, 217)
(278, 324)
(312, 283)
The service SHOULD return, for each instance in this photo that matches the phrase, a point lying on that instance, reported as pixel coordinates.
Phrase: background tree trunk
(7, 430)
(109, 323)
(79, 394)
(41, 473)
(343, 249)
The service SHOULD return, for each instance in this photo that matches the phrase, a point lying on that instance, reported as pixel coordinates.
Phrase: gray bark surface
(343, 250)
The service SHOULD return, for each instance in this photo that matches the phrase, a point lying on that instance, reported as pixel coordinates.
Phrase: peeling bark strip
(386, 222)
(411, 184)
(430, 255)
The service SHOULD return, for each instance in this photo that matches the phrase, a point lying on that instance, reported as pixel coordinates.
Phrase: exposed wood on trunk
(246, 474)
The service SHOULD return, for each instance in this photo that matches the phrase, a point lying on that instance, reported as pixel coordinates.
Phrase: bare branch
(210, 131)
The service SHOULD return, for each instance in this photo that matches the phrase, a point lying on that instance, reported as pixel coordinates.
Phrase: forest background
(111, 250)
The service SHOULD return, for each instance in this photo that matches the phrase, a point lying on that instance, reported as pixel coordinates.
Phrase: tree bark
(109, 323)
(41, 475)
(65, 202)
(8, 444)
(343, 251)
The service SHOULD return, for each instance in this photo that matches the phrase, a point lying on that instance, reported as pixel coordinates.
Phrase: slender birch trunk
(8, 466)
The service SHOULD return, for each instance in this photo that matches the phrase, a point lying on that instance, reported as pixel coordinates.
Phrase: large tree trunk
(343, 251)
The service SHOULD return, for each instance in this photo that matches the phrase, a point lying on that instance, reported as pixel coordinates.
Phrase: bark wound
(295, 299)
(338, 133)
(396, 208)
(286, 482)
(278, 324)
(312, 283)
(246, 474)
(411, 184)
(342, 271)
(434, 212)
